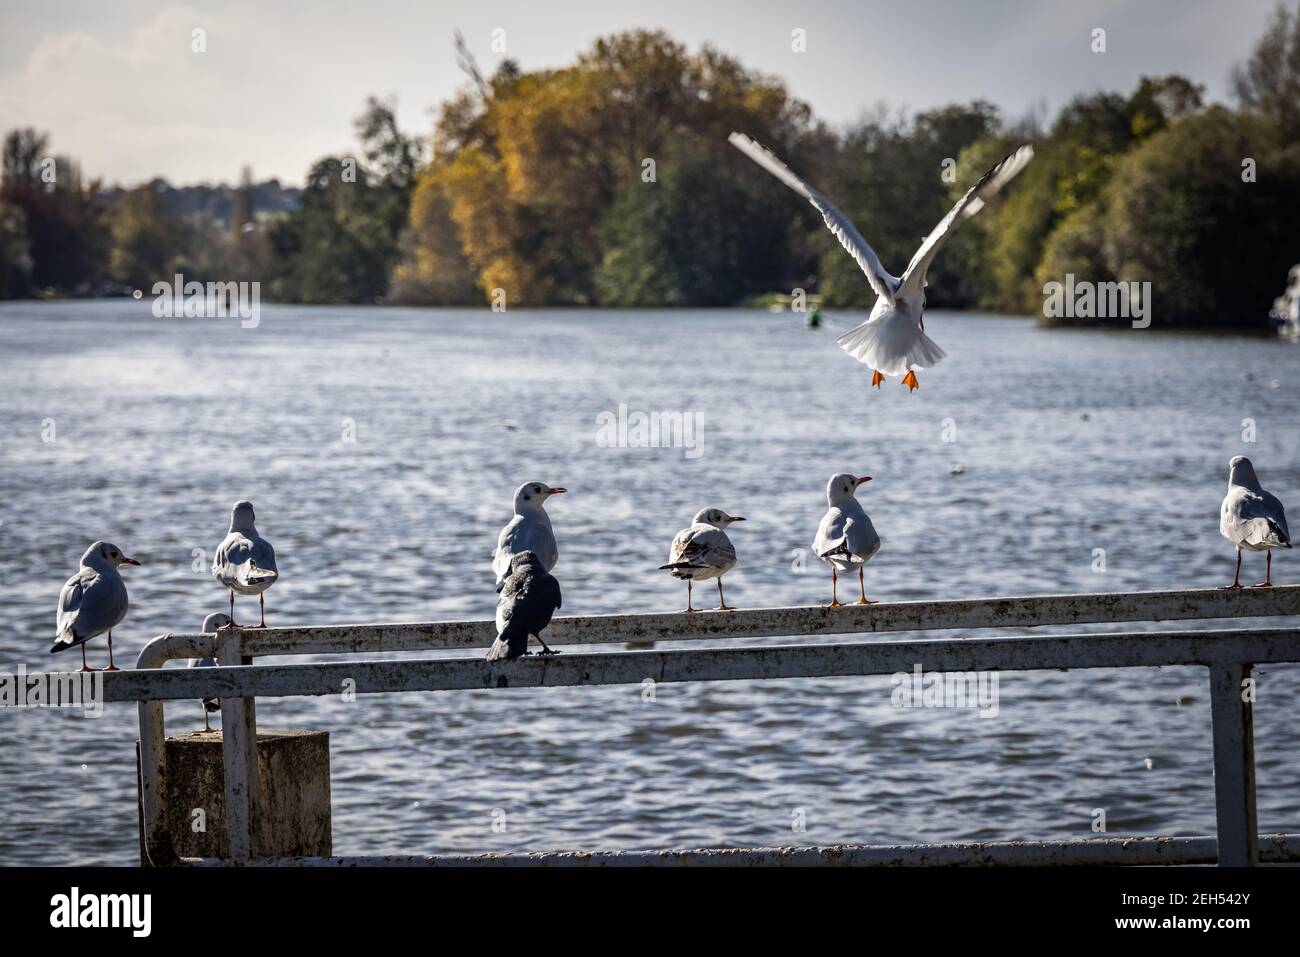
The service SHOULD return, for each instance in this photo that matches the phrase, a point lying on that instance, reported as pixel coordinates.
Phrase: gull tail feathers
(893, 348)
(499, 651)
(672, 565)
(257, 575)
(1275, 535)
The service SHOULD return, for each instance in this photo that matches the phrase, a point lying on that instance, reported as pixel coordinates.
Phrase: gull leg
(84, 666)
(835, 602)
(1268, 573)
(261, 603)
(111, 666)
(206, 726)
(1236, 579)
(862, 587)
(909, 380)
(722, 602)
(689, 609)
(232, 611)
(877, 378)
(546, 649)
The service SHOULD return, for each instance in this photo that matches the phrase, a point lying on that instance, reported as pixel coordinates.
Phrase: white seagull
(210, 625)
(892, 340)
(703, 551)
(1252, 518)
(93, 601)
(245, 561)
(846, 538)
(529, 531)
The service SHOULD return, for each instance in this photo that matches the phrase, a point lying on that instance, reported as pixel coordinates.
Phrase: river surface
(381, 447)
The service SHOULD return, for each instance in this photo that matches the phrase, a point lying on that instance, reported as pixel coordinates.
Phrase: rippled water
(1070, 442)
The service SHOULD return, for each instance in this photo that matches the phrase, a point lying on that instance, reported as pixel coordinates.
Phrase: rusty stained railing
(1228, 654)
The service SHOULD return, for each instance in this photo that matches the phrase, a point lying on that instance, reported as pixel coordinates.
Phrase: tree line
(609, 182)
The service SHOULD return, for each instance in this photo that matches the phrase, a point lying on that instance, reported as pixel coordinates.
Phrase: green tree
(15, 256)
(342, 243)
(65, 224)
(1269, 81)
(1180, 214)
(145, 242)
(691, 237)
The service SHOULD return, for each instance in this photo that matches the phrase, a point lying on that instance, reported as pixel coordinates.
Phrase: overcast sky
(116, 83)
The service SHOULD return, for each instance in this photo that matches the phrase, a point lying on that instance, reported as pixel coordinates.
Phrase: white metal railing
(1228, 654)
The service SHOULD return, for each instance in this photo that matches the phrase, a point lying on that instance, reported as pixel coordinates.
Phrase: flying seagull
(703, 551)
(528, 531)
(892, 340)
(846, 538)
(1252, 518)
(210, 625)
(529, 596)
(245, 561)
(93, 601)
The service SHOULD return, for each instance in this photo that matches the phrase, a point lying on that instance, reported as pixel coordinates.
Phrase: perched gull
(1252, 518)
(703, 551)
(210, 625)
(892, 340)
(529, 596)
(245, 561)
(528, 531)
(93, 601)
(846, 538)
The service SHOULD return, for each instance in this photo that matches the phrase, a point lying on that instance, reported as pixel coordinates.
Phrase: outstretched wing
(966, 207)
(839, 224)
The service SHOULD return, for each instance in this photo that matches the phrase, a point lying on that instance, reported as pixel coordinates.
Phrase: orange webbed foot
(909, 380)
(877, 378)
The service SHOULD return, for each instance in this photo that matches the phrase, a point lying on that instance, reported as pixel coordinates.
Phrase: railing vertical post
(239, 750)
(1234, 766)
(158, 850)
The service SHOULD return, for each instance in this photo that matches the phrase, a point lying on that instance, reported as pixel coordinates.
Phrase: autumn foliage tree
(543, 174)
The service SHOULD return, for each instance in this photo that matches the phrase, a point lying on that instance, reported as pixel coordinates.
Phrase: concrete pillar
(293, 818)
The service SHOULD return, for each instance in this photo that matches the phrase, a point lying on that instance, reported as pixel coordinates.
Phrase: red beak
(129, 561)
(556, 491)
(863, 478)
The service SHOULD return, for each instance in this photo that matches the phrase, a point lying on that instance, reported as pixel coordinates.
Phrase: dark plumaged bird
(529, 596)
(93, 601)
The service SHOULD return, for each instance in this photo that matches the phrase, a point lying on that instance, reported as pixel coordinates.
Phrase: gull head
(242, 517)
(214, 621)
(105, 555)
(1241, 471)
(841, 487)
(533, 494)
(715, 517)
(526, 561)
